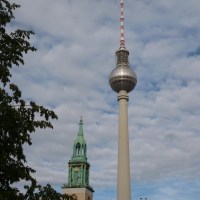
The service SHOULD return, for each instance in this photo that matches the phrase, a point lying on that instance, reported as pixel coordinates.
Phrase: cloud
(76, 42)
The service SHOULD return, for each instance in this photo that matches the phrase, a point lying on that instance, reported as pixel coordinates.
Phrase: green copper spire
(80, 147)
(78, 175)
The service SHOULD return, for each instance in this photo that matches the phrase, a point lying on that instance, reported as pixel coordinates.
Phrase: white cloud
(76, 41)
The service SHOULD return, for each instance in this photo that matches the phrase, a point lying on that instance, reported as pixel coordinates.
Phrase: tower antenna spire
(122, 42)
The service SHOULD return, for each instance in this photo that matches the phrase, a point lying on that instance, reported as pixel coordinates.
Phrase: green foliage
(12, 45)
(47, 193)
(18, 118)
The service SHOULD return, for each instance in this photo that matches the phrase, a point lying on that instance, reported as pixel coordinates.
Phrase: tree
(18, 118)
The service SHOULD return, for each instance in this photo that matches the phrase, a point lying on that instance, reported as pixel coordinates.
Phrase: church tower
(78, 172)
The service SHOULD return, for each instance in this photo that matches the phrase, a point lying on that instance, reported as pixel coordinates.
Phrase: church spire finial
(80, 132)
(81, 119)
(122, 41)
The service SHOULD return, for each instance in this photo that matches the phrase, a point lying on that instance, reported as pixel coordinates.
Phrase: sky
(76, 42)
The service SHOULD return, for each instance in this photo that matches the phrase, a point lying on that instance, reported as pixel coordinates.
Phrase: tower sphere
(122, 77)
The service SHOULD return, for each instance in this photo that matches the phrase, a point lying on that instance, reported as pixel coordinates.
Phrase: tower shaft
(123, 184)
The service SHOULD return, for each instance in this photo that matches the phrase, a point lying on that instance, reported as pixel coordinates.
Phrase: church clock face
(76, 169)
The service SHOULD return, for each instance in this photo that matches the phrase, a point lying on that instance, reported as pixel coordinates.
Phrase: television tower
(123, 80)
